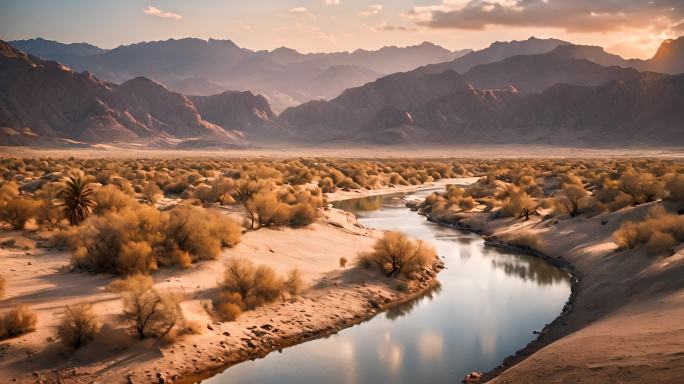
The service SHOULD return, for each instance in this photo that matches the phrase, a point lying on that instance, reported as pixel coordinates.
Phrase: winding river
(488, 305)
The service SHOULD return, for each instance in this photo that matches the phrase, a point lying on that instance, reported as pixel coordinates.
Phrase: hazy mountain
(245, 112)
(285, 76)
(535, 73)
(497, 51)
(45, 100)
(419, 107)
(52, 50)
(668, 59)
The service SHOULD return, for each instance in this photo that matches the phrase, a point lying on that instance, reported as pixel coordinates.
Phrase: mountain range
(198, 67)
(553, 93)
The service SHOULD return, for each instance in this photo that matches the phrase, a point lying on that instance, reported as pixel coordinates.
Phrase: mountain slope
(52, 50)
(497, 51)
(285, 76)
(45, 99)
(244, 112)
(535, 73)
(424, 108)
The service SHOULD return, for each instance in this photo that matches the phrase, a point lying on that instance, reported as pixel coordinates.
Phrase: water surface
(487, 306)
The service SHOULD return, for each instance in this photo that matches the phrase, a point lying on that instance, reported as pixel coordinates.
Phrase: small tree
(76, 200)
(151, 314)
(573, 194)
(244, 190)
(78, 326)
(396, 254)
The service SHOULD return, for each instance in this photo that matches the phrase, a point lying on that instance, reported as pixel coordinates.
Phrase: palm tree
(77, 203)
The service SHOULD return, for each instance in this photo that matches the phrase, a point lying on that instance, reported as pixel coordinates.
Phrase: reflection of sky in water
(486, 308)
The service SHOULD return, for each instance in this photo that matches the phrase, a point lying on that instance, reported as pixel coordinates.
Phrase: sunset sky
(631, 28)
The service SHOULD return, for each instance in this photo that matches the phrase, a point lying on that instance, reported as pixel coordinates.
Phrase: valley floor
(625, 324)
(335, 299)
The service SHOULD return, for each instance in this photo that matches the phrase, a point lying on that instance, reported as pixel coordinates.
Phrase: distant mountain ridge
(44, 102)
(285, 76)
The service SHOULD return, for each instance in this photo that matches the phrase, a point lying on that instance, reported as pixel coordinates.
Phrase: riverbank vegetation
(564, 189)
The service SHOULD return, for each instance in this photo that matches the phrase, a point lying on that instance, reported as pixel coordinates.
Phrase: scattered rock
(472, 377)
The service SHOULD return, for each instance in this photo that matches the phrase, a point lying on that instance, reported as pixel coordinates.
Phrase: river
(488, 305)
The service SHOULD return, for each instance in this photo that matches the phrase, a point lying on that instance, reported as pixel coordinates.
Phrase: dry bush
(3, 283)
(246, 286)
(111, 198)
(659, 232)
(517, 203)
(573, 193)
(78, 326)
(139, 238)
(17, 321)
(395, 254)
(294, 284)
(343, 262)
(642, 187)
(17, 212)
(151, 192)
(200, 232)
(675, 187)
(150, 313)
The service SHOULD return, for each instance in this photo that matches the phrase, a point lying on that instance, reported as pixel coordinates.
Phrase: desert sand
(335, 298)
(624, 323)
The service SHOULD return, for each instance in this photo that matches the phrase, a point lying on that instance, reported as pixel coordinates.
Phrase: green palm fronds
(77, 203)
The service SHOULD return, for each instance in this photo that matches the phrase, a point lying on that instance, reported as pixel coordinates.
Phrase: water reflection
(485, 309)
(403, 309)
(527, 269)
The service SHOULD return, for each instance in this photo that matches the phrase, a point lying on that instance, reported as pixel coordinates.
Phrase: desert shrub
(247, 286)
(150, 313)
(78, 325)
(17, 212)
(642, 187)
(111, 198)
(294, 284)
(139, 238)
(343, 262)
(300, 215)
(395, 254)
(327, 185)
(675, 187)
(658, 233)
(151, 192)
(17, 321)
(200, 232)
(517, 203)
(573, 194)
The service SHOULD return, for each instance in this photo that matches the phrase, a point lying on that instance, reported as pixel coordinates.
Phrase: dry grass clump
(150, 313)
(246, 286)
(17, 321)
(658, 233)
(78, 325)
(395, 254)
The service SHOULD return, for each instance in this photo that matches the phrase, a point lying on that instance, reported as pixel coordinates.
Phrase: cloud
(332, 2)
(384, 27)
(154, 11)
(303, 12)
(372, 10)
(572, 16)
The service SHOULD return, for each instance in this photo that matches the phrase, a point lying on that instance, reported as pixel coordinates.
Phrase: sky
(631, 28)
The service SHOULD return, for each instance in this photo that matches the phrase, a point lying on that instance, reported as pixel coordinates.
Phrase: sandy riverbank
(624, 323)
(336, 298)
